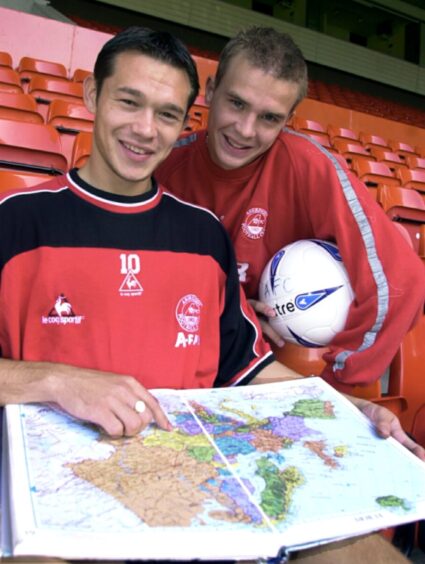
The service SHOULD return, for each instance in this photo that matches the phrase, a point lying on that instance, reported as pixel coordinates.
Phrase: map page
(244, 472)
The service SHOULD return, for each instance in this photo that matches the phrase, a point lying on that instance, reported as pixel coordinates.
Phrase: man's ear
(90, 93)
(209, 89)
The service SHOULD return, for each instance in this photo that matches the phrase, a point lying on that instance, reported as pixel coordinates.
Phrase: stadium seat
(349, 150)
(369, 140)
(29, 68)
(388, 157)
(420, 150)
(206, 67)
(406, 207)
(81, 149)
(46, 89)
(415, 162)
(16, 179)
(9, 81)
(324, 141)
(402, 149)
(69, 118)
(19, 106)
(412, 179)
(373, 173)
(311, 127)
(31, 146)
(418, 427)
(6, 59)
(336, 132)
(80, 74)
(413, 355)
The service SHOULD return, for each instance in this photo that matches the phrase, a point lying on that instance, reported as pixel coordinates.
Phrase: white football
(307, 285)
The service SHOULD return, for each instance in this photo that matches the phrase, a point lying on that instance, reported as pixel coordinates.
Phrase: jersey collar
(114, 202)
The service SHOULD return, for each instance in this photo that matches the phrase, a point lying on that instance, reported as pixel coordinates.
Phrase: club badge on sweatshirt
(254, 224)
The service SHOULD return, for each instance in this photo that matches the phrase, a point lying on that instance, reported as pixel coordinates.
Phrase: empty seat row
(30, 67)
(332, 133)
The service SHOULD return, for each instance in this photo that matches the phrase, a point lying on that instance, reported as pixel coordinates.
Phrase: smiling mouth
(136, 150)
(235, 145)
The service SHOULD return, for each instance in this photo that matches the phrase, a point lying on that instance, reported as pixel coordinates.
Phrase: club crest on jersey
(254, 225)
(188, 315)
(61, 313)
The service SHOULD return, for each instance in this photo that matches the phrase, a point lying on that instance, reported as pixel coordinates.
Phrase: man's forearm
(23, 382)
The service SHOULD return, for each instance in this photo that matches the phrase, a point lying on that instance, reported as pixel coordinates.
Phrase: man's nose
(144, 123)
(246, 125)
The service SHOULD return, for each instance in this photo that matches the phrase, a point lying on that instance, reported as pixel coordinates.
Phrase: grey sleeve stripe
(371, 252)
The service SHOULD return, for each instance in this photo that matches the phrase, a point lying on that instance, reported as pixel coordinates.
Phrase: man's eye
(236, 104)
(169, 116)
(270, 118)
(128, 102)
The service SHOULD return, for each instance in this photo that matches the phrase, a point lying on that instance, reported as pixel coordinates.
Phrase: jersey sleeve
(243, 350)
(387, 277)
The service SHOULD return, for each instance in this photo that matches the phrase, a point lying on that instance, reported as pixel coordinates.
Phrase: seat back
(373, 173)
(412, 178)
(407, 208)
(30, 67)
(336, 132)
(31, 146)
(45, 89)
(348, 150)
(81, 149)
(401, 148)
(390, 158)
(9, 81)
(369, 140)
(6, 59)
(80, 74)
(19, 106)
(418, 427)
(69, 118)
(205, 67)
(415, 162)
(17, 179)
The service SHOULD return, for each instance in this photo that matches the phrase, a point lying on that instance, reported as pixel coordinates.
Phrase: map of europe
(293, 457)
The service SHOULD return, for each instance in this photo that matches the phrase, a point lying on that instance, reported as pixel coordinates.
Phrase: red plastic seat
(206, 67)
(336, 132)
(418, 427)
(46, 89)
(19, 106)
(407, 208)
(402, 149)
(369, 140)
(415, 162)
(373, 173)
(390, 158)
(69, 118)
(412, 178)
(16, 179)
(81, 149)
(311, 127)
(31, 146)
(9, 81)
(80, 75)
(6, 59)
(29, 68)
(349, 150)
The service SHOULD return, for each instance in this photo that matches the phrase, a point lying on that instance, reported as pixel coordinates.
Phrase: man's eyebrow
(137, 94)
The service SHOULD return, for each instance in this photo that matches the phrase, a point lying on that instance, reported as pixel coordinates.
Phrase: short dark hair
(269, 50)
(159, 45)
